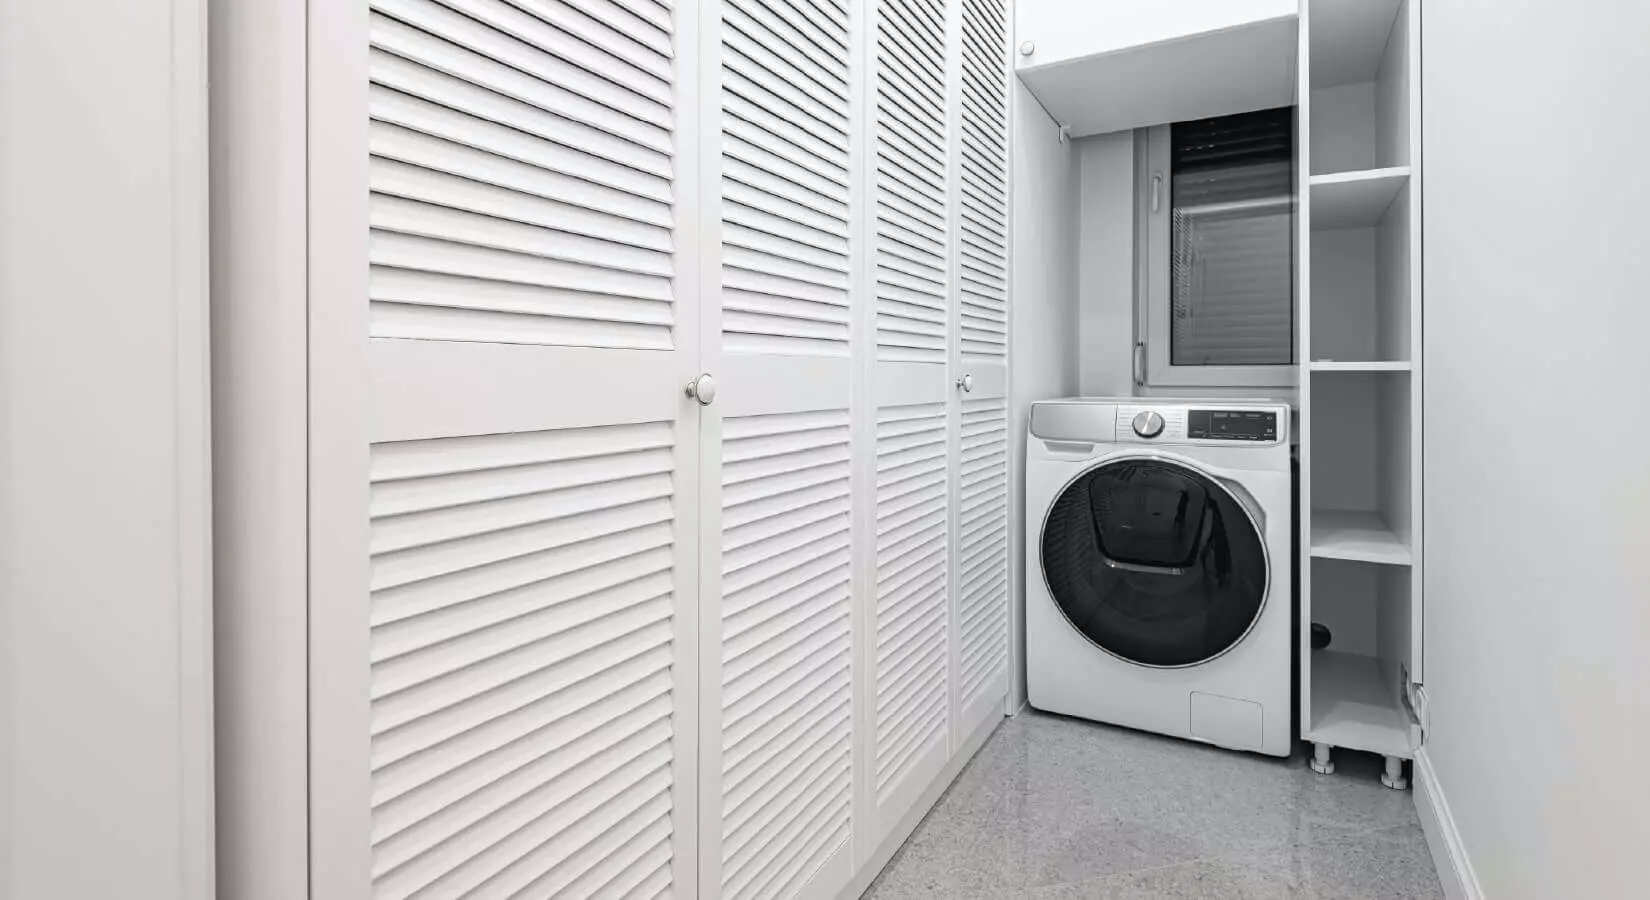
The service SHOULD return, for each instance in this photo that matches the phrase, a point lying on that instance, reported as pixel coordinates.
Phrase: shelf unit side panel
(1393, 283)
(1395, 471)
(1394, 615)
(1393, 128)
(1303, 337)
(1412, 15)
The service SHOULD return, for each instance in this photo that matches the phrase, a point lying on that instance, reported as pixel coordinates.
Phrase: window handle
(1157, 191)
(1139, 364)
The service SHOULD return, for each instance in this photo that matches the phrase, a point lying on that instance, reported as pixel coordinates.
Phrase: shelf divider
(1352, 365)
(1357, 536)
(1354, 199)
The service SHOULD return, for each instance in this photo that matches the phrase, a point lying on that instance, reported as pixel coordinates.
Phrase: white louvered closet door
(776, 505)
(504, 547)
(980, 355)
(907, 734)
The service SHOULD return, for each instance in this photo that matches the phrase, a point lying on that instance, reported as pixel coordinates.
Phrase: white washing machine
(1159, 570)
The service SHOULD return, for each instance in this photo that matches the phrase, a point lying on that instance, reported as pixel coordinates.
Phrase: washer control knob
(1148, 424)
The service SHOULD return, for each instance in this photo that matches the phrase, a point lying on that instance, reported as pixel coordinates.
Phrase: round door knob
(1028, 48)
(1148, 424)
(965, 384)
(702, 389)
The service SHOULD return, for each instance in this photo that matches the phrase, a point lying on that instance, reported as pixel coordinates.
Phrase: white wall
(105, 628)
(1538, 419)
(1044, 305)
(260, 417)
(1106, 266)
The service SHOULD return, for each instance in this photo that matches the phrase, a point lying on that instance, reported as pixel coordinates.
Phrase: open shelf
(1360, 427)
(1355, 704)
(1360, 103)
(1357, 536)
(1361, 301)
(1354, 199)
(1349, 38)
(1371, 365)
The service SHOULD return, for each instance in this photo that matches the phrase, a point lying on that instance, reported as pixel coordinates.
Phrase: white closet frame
(295, 812)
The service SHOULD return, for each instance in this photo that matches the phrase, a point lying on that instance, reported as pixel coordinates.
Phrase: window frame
(1153, 293)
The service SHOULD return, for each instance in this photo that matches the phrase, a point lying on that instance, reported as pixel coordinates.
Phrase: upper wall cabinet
(1107, 65)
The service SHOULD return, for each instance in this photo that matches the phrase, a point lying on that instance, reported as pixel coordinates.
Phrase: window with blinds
(1231, 256)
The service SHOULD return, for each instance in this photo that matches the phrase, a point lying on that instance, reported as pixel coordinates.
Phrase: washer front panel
(1154, 561)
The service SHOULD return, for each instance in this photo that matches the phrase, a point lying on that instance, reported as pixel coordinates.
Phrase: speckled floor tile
(1059, 808)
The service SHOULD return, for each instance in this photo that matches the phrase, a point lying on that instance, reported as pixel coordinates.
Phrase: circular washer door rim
(1240, 498)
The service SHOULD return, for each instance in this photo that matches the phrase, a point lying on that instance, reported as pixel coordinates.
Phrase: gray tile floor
(1060, 808)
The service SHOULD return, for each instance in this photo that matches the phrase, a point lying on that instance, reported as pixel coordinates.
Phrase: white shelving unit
(1361, 385)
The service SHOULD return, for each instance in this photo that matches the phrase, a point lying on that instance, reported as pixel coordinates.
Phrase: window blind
(1232, 300)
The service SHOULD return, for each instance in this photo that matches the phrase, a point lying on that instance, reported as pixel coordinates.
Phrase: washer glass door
(1154, 562)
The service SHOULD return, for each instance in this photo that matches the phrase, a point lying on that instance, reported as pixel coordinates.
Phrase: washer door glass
(1154, 562)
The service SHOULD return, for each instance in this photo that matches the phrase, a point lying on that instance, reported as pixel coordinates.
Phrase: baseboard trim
(919, 810)
(1449, 855)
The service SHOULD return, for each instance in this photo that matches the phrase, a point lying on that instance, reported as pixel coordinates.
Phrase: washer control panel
(1232, 425)
(1143, 424)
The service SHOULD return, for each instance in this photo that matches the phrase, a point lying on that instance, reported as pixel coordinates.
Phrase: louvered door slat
(519, 177)
(785, 145)
(784, 677)
(983, 545)
(911, 181)
(645, 23)
(472, 51)
(514, 684)
(789, 52)
(984, 161)
(421, 100)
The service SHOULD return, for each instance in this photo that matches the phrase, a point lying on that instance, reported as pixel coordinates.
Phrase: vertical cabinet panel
(529, 666)
(980, 354)
(908, 220)
(777, 779)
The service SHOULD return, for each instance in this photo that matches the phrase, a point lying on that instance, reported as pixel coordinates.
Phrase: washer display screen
(1154, 562)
